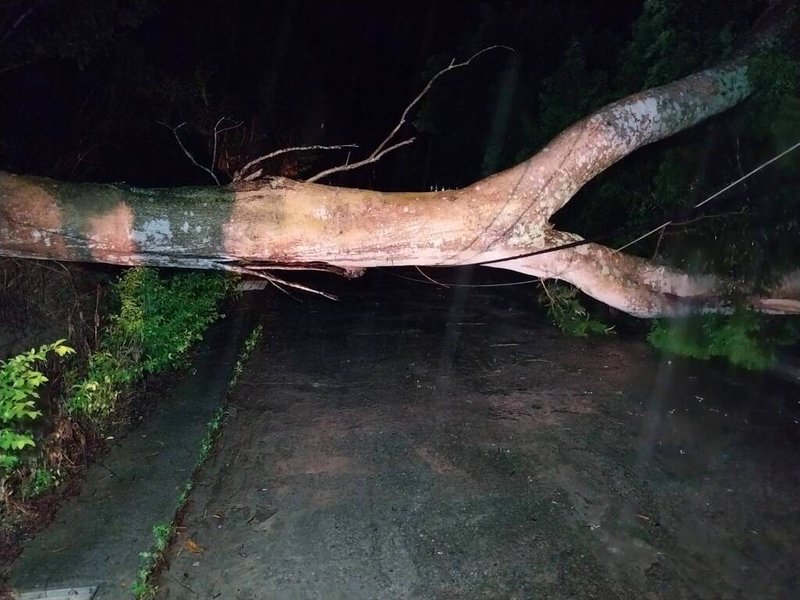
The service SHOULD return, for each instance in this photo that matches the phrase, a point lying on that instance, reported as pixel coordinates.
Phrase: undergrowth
(567, 313)
(20, 380)
(745, 338)
(158, 320)
(143, 588)
(155, 320)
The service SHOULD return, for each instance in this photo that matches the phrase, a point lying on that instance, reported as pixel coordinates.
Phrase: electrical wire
(680, 216)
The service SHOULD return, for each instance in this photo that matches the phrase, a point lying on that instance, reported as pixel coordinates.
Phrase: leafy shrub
(19, 384)
(745, 338)
(567, 312)
(159, 319)
(774, 75)
(96, 396)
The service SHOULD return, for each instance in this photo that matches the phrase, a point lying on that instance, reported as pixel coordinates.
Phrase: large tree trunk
(280, 222)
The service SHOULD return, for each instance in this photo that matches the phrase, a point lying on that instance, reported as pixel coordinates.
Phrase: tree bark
(279, 222)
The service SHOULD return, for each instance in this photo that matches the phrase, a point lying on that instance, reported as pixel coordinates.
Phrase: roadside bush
(20, 380)
(158, 320)
(745, 338)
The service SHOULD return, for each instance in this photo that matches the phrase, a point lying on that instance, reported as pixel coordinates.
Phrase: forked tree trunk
(250, 226)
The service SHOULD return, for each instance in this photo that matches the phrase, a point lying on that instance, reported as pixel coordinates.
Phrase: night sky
(84, 83)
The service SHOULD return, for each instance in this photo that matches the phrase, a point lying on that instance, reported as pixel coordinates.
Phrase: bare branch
(277, 281)
(214, 147)
(381, 149)
(174, 131)
(241, 176)
(18, 21)
(451, 67)
(361, 163)
(217, 132)
(7, 68)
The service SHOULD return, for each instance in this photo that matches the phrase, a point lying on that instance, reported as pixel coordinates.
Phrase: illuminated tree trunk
(251, 226)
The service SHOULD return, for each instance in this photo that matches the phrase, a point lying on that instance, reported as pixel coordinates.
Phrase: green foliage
(214, 427)
(144, 588)
(40, 481)
(569, 94)
(567, 312)
(159, 319)
(773, 75)
(775, 106)
(249, 345)
(20, 381)
(745, 338)
(59, 30)
(162, 533)
(183, 498)
(659, 51)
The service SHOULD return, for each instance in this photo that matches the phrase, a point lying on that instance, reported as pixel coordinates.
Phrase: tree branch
(217, 132)
(249, 225)
(540, 186)
(371, 159)
(381, 149)
(174, 131)
(241, 175)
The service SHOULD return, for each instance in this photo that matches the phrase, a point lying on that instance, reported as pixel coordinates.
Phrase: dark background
(101, 74)
(85, 84)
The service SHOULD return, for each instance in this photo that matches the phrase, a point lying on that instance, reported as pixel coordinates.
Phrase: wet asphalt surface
(97, 535)
(415, 442)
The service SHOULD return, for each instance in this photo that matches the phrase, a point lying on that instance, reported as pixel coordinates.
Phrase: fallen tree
(260, 227)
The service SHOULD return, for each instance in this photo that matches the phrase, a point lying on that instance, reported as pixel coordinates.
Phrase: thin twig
(217, 132)
(360, 163)
(546, 291)
(451, 67)
(18, 21)
(277, 281)
(174, 131)
(382, 148)
(240, 174)
(16, 65)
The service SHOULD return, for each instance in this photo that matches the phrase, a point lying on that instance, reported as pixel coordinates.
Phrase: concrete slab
(98, 535)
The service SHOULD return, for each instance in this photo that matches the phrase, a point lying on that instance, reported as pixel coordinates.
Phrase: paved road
(414, 442)
(97, 535)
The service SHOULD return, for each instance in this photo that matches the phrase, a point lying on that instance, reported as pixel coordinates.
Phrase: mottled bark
(281, 222)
